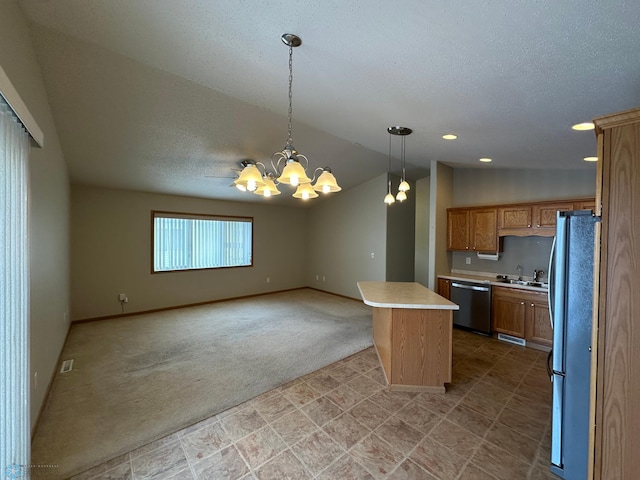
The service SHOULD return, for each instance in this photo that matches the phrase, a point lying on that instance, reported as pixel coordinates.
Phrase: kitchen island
(412, 334)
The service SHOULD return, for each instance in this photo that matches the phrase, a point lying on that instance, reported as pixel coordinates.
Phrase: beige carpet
(139, 378)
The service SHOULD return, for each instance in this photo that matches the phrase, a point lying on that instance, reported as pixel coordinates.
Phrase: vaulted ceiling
(170, 95)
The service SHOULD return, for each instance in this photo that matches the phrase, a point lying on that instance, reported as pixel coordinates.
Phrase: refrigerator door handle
(559, 293)
(551, 279)
(549, 370)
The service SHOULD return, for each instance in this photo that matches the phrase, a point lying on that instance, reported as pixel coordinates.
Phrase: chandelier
(287, 164)
(404, 186)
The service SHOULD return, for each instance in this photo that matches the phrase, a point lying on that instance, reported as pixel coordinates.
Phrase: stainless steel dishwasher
(474, 300)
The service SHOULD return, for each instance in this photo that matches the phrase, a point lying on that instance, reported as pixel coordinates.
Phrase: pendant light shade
(389, 198)
(305, 191)
(250, 178)
(268, 189)
(293, 174)
(326, 182)
(401, 196)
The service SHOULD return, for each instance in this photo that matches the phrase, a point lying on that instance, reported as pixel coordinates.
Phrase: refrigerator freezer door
(557, 417)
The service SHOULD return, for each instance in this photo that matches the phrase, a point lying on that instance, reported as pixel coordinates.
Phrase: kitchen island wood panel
(412, 334)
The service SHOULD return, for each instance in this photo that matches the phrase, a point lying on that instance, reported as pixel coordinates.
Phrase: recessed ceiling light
(583, 126)
(450, 136)
(590, 159)
(486, 160)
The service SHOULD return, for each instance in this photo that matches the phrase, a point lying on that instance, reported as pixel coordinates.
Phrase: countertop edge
(415, 306)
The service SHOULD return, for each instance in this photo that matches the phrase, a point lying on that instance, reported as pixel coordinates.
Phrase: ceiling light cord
(290, 113)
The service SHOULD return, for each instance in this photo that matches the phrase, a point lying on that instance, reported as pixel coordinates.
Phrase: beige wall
(441, 198)
(49, 208)
(421, 267)
(111, 253)
(343, 232)
(479, 186)
(401, 239)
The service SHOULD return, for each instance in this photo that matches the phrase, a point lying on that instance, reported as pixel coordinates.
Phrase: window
(193, 241)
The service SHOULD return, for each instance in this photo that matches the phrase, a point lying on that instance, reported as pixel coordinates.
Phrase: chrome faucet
(537, 274)
(519, 268)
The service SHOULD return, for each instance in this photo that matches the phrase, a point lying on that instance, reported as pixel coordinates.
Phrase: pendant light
(404, 186)
(287, 163)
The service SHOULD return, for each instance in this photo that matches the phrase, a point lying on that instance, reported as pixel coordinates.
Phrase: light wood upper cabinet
(474, 229)
(484, 230)
(515, 217)
(536, 219)
(545, 214)
(458, 229)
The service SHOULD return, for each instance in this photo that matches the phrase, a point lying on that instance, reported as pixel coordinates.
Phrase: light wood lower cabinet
(444, 288)
(522, 314)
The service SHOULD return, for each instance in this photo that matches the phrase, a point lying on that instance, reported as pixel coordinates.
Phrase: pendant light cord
(290, 139)
(389, 168)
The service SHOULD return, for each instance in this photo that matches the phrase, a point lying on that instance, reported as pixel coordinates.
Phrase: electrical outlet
(122, 297)
(317, 277)
(373, 255)
(468, 260)
(323, 278)
(268, 280)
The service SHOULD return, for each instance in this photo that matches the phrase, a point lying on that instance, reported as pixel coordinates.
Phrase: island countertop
(403, 295)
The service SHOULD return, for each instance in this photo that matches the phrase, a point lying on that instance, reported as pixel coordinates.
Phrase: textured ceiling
(156, 95)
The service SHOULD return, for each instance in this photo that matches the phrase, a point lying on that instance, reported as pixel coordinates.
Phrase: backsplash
(532, 253)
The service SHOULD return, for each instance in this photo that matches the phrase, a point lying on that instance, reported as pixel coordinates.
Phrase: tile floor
(341, 423)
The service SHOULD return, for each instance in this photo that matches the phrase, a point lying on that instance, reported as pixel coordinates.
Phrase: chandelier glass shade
(404, 186)
(288, 166)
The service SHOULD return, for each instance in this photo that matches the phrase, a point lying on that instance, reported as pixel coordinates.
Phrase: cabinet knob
(538, 225)
(529, 226)
(521, 303)
(532, 304)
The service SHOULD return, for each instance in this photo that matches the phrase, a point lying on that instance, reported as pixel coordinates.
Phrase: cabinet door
(458, 230)
(545, 214)
(444, 288)
(515, 217)
(509, 312)
(485, 230)
(586, 205)
(538, 322)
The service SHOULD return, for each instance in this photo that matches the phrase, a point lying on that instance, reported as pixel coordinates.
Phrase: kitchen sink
(527, 283)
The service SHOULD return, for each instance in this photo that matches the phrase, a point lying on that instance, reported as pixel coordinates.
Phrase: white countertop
(491, 281)
(403, 295)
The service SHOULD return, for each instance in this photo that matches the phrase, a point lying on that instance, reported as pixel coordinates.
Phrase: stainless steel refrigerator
(571, 307)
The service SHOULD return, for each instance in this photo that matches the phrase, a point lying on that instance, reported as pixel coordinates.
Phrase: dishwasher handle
(470, 287)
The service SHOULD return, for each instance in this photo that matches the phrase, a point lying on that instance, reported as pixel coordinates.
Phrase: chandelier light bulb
(294, 180)
(251, 185)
